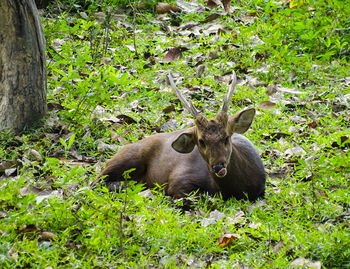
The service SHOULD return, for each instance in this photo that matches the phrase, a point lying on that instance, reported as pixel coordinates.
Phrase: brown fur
(183, 164)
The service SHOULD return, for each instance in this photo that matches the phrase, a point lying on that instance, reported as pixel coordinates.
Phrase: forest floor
(107, 87)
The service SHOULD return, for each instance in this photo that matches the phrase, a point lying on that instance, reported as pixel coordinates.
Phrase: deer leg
(124, 160)
(180, 187)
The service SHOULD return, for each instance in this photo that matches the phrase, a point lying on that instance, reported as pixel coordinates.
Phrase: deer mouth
(220, 170)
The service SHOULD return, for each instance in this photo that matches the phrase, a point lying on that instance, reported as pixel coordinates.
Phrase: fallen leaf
(254, 225)
(200, 70)
(190, 7)
(312, 124)
(287, 90)
(297, 151)
(125, 119)
(34, 155)
(10, 172)
(12, 254)
(292, 129)
(47, 236)
(215, 29)
(272, 89)
(226, 239)
(169, 109)
(213, 217)
(239, 217)
(56, 193)
(321, 193)
(103, 147)
(28, 229)
(146, 193)
(305, 263)
(100, 16)
(266, 105)
(106, 60)
(227, 5)
(344, 142)
(7, 165)
(276, 248)
(2, 215)
(188, 26)
(213, 55)
(167, 126)
(172, 55)
(213, 4)
(163, 8)
(211, 17)
(252, 13)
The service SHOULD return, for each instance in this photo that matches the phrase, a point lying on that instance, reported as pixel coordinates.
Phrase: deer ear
(184, 143)
(240, 122)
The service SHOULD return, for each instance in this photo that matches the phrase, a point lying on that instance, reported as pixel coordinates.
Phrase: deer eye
(202, 143)
(226, 140)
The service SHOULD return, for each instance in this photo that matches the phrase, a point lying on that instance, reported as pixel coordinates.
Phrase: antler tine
(188, 105)
(230, 93)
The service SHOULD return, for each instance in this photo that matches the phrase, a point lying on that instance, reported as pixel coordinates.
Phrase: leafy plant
(107, 88)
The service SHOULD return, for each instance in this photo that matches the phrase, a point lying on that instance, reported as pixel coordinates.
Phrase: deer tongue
(222, 172)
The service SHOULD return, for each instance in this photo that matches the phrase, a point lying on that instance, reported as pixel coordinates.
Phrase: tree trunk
(22, 65)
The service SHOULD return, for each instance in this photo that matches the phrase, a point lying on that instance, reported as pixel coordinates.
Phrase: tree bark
(22, 65)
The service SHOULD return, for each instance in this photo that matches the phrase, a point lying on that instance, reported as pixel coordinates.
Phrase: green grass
(50, 216)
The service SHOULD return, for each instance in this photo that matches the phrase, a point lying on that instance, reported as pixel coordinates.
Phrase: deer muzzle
(219, 170)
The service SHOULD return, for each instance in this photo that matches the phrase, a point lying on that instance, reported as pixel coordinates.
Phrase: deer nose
(218, 167)
(219, 170)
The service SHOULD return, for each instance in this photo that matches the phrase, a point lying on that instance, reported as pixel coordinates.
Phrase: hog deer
(210, 157)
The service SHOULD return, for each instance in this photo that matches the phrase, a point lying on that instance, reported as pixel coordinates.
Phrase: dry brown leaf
(297, 151)
(213, 4)
(106, 60)
(305, 263)
(211, 17)
(213, 218)
(237, 218)
(47, 236)
(117, 138)
(226, 239)
(11, 172)
(172, 55)
(312, 124)
(100, 16)
(266, 105)
(12, 254)
(344, 142)
(254, 225)
(200, 70)
(163, 8)
(288, 90)
(215, 29)
(272, 89)
(190, 6)
(169, 109)
(276, 248)
(7, 165)
(213, 55)
(227, 5)
(3, 215)
(125, 119)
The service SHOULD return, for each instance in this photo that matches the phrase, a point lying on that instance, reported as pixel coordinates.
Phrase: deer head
(213, 136)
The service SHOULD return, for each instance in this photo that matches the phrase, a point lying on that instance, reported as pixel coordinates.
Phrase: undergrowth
(107, 88)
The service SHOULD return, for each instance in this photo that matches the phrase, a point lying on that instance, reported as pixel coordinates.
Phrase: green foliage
(88, 6)
(106, 88)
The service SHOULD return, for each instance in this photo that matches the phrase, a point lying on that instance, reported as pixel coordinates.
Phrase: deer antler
(188, 105)
(230, 93)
